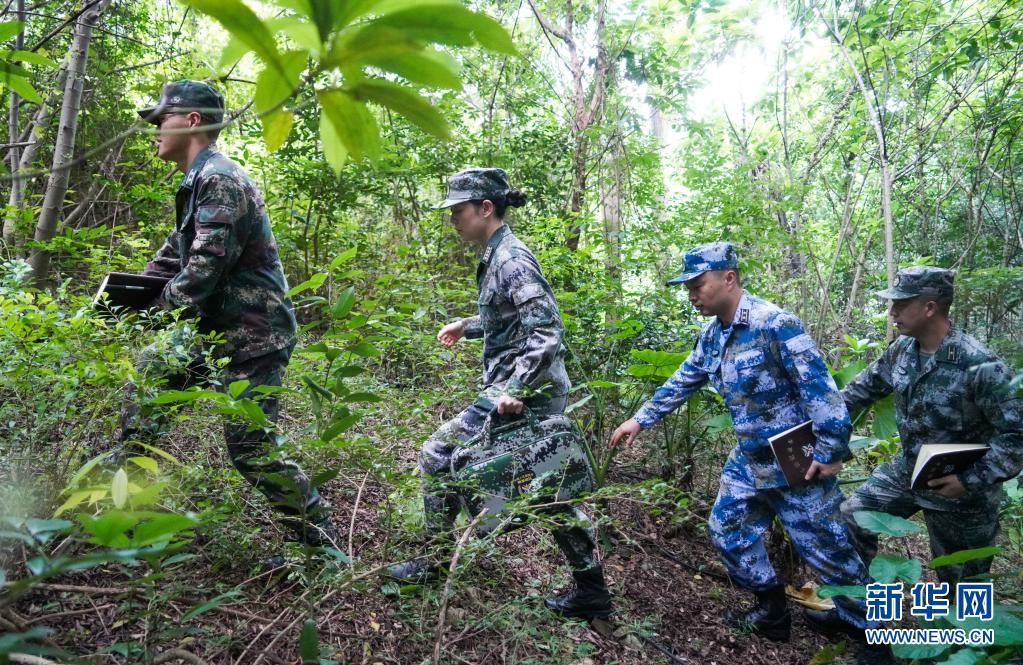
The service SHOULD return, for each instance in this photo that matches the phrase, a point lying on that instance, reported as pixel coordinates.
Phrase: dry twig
(442, 616)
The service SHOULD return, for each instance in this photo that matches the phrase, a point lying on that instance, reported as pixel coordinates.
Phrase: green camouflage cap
(475, 185)
(917, 281)
(185, 96)
(712, 256)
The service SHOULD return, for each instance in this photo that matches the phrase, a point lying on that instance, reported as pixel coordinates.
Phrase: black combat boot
(589, 600)
(769, 617)
(419, 570)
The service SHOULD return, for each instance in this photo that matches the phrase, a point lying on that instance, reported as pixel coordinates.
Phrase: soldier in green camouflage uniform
(949, 388)
(224, 270)
(523, 366)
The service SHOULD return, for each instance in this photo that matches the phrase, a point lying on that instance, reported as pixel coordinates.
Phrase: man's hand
(506, 403)
(629, 429)
(451, 333)
(949, 486)
(823, 470)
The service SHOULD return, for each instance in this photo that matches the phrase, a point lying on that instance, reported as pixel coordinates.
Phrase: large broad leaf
(452, 24)
(309, 643)
(272, 89)
(242, 23)
(428, 67)
(962, 556)
(407, 103)
(886, 569)
(276, 127)
(110, 528)
(352, 121)
(1008, 627)
(849, 591)
(883, 523)
(885, 426)
(29, 57)
(9, 29)
(303, 33)
(919, 651)
(20, 85)
(964, 657)
(334, 150)
(162, 526)
(119, 488)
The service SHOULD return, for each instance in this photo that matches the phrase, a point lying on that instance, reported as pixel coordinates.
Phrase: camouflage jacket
(772, 378)
(523, 348)
(961, 395)
(222, 258)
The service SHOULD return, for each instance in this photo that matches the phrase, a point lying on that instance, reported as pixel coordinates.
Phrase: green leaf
(301, 32)
(234, 50)
(210, 604)
(429, 67)
(885, 425)
(334, 150)
(147, 463)
(276, 128)
(919, 651)
(245, 25)
(273, 88)
(183, 396)
(313, 283)
(883, 523)
(363, 397)
(29, 57)
(348, 371)
(353, 123)
(236, 388)
(339, 425)
(962, 556)
(452, 24)
(39, 527)
(366, 350)
(405, 101)
(886, 569)
(73, 500)
(9, 29)
(110, 528)
(853, 591)
(157, 451)
(345, 302)
(21, 86)
(162, 526)
(346, 255)
(119, 488)
(309, 643)
(965, 657)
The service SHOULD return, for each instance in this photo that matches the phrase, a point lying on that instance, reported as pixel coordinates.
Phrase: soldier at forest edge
(224, 269)
(523, 367)
(772, 378)
(949, 388)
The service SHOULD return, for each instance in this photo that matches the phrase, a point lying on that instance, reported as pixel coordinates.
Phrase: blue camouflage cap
(705, 258)
(475, 185)
(185, 96)
(916, 281)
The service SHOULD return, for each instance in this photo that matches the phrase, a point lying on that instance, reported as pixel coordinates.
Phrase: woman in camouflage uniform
(523, 366)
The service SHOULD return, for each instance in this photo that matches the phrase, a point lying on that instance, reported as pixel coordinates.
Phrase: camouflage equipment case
(538, 461)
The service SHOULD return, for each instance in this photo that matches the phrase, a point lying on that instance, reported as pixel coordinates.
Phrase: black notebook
(936, 460)
(794, 450)
(125, 289)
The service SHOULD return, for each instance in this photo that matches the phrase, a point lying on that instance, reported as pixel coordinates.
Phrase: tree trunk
(12, 124)
(63, 152)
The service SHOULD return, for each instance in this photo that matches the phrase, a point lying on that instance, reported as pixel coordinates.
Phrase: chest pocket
(752, 375)
(490, 311)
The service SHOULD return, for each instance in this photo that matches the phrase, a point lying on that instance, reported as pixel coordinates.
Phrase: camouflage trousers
(254, 453)
(742, 514)
(966, 523)
(574, 533)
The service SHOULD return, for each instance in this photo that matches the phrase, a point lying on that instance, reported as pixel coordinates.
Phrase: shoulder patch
(527, 292)
(799, 343)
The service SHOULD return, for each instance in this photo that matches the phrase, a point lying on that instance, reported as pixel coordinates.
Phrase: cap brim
(894, 294)
(685, 277)
(447, 203)
(151, 114)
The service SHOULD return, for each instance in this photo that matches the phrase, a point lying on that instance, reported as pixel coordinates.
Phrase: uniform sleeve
(472, 327)
(818, 393)
(872, 384)
(521, 281)
(167, 262)
(220, 205)
(686, 380)
(1003, 408)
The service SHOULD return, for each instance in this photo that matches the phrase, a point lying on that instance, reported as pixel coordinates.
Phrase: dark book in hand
(794, 450)
(936, 460)
(128, 290)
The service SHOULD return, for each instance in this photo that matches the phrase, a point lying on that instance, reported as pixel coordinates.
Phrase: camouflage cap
(475, 185)
(712, 256)
(185, 96)
(917, 281)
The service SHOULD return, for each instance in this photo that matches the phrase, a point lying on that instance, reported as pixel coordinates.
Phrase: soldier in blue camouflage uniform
(523, 366)
(224, 269)
(949, 388)
(772, 377)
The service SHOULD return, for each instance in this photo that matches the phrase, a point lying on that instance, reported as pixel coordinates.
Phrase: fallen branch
(351, 527)
(77, 589)
(25, 659)
(442, 616)
(87, 610)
